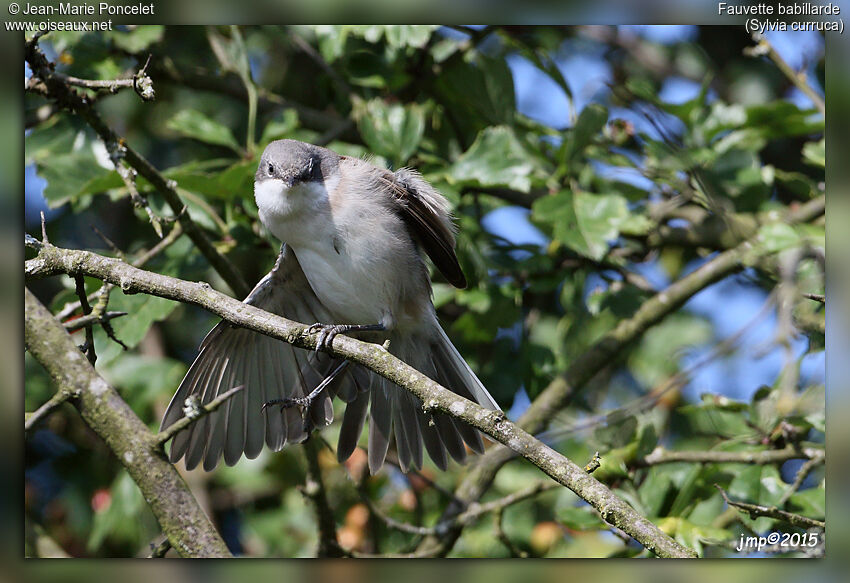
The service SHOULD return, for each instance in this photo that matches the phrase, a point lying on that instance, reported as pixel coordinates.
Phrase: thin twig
(163, 436)
(763, 47)
(816, 297)
(128, 177)
(88, 347)
(392, 522)
(54, 403)
(89, 319)
(801, 476)
(140, 83)
(504, 538)
(756, 510)
(140, 261)
(158, 550)
(761, 458)
(44, 239)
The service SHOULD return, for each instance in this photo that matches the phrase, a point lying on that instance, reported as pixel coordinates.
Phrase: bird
(354, 236)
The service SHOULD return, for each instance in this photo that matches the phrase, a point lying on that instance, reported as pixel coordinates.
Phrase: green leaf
(616, 434)
(655, 489)
(230, 52)
(194, 124)
(760, 485)
(68, 176)
(715, 420)
(782, 118)
(810, 503)
(280, 126)
(111, 522)
(657, 356)
(648, 440)
(590, 123)
(585, 222)
(332, 39)
(138, 38)
(393, 131)
(416, 36)
(815, 153)
(65, 157)
(685, 496)
(496, 158)
(478, 90)
(142, 311)
(580, 518)
(693, 536)
(777, 236)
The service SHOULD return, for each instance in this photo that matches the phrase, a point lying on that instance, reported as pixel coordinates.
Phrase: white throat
(295, 215)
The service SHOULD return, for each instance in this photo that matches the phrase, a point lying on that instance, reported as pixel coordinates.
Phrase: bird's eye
(270, 169)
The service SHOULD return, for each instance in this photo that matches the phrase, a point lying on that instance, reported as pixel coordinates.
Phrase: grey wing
(269, 368)
(428, 216)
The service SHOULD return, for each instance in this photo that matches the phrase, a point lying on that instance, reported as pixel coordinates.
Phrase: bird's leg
(327, 332)
(303, 403)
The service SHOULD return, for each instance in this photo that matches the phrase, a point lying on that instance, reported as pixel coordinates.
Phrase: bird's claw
(300, 402)
(327, 333)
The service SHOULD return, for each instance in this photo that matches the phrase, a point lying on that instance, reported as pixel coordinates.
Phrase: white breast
(356, 254)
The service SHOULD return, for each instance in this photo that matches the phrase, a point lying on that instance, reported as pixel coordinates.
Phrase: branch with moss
(52, 260)
(46, 83)
(607, 349)
(184, 523)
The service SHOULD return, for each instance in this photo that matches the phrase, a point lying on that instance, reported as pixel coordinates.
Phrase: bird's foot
(301, 402)
(327, 332)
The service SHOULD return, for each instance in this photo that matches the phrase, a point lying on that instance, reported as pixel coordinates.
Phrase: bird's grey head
(293, 162)
(293, 177)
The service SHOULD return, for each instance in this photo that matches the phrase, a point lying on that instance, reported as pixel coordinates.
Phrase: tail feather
(352, 425)
(380, 421)
(398, 413)
(433, 444)
(276, 426)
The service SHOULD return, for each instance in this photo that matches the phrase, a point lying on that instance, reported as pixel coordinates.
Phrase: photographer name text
(101, 9)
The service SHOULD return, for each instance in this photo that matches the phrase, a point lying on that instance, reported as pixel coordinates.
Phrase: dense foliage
(589, 169)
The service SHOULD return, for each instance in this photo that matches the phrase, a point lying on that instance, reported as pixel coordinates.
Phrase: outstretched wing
(269, 368)
(427, 214)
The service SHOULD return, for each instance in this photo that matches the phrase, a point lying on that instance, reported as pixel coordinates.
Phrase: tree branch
(140, 82)
(52, 260)
(91, 318)
(760, 458)
(198, 412)
(801, 476)
(181, 519)
(54, 403)
(756, 510)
